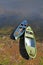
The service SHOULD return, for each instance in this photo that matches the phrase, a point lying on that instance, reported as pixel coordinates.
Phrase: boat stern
(31, 51)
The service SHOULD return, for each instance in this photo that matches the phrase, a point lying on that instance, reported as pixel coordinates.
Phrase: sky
(26, 7)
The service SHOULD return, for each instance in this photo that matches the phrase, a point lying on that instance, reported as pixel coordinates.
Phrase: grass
(41, 60)
(0, 37)
(22, 62)
(6, 30)
(1, 45)
(4, 44)
(5, 61)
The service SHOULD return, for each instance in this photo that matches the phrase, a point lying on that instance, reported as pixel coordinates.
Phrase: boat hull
(30, 43)
(20, 29)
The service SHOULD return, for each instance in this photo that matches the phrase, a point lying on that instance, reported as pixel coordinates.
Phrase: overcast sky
(26, 7)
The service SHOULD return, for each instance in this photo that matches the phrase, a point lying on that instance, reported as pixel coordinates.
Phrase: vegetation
(5, 62)
(41, 60)
(10, 53)
(6, 31)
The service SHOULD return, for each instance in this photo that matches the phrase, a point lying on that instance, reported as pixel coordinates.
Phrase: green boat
(30, 42)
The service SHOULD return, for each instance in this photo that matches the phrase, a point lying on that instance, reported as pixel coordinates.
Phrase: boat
(30, 42)
(20, 29)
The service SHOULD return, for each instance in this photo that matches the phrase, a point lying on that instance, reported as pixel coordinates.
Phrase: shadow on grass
(0, 64)
(22, 48)
(12, 36)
